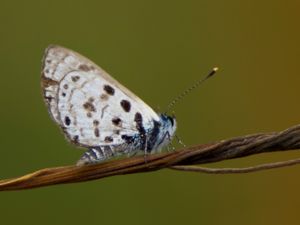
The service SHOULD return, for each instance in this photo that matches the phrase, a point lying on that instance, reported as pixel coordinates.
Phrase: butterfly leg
(168, 136)
(95, 155)
(171, 147)
(180, 141)
(146, 153)
(146, 156)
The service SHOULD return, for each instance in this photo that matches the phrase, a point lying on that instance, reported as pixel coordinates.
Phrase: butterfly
(96, 112)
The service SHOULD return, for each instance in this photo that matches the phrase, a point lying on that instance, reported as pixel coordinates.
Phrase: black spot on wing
(76, 139)
(108, 139)
(96, 122)
(89, 107)
(89, 114)
(47, 82)
(139, 126)
(48, 98)
(85, 67)
(125, 105)
(116, 121)
(67, 121)
(104, 97)
(138, 119)
(96, 132)
(75, 78)
(109, 90)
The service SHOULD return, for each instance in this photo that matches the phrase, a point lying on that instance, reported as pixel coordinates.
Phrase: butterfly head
(169, 122)
(167, 130)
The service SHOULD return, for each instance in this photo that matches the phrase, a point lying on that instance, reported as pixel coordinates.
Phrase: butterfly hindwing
(91, 107)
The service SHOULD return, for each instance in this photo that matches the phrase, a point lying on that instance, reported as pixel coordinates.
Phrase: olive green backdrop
(156, 49)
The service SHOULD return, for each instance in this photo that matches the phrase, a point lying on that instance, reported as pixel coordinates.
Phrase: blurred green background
(156, 49)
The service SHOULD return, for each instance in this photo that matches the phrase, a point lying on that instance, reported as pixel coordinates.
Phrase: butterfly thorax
(162, 133)
(152, 136)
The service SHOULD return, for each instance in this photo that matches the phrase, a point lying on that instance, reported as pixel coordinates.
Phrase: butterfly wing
(91, 107)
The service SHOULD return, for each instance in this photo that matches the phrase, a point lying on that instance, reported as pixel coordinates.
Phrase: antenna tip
(215, 69)
(212, 72)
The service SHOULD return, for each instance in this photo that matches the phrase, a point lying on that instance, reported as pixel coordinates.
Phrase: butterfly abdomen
(95, 154)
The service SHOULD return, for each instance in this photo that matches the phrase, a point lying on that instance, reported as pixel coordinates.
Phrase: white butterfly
(96, 112)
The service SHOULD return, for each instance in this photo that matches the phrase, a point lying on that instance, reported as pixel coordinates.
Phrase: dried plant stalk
(184, 160)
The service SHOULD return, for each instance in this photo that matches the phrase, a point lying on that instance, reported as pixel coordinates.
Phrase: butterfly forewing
(90, 106)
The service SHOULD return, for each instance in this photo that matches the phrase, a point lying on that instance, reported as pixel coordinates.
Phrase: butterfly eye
(171, 120)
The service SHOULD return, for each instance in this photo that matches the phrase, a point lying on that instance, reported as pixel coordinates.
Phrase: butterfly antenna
(188, 90)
